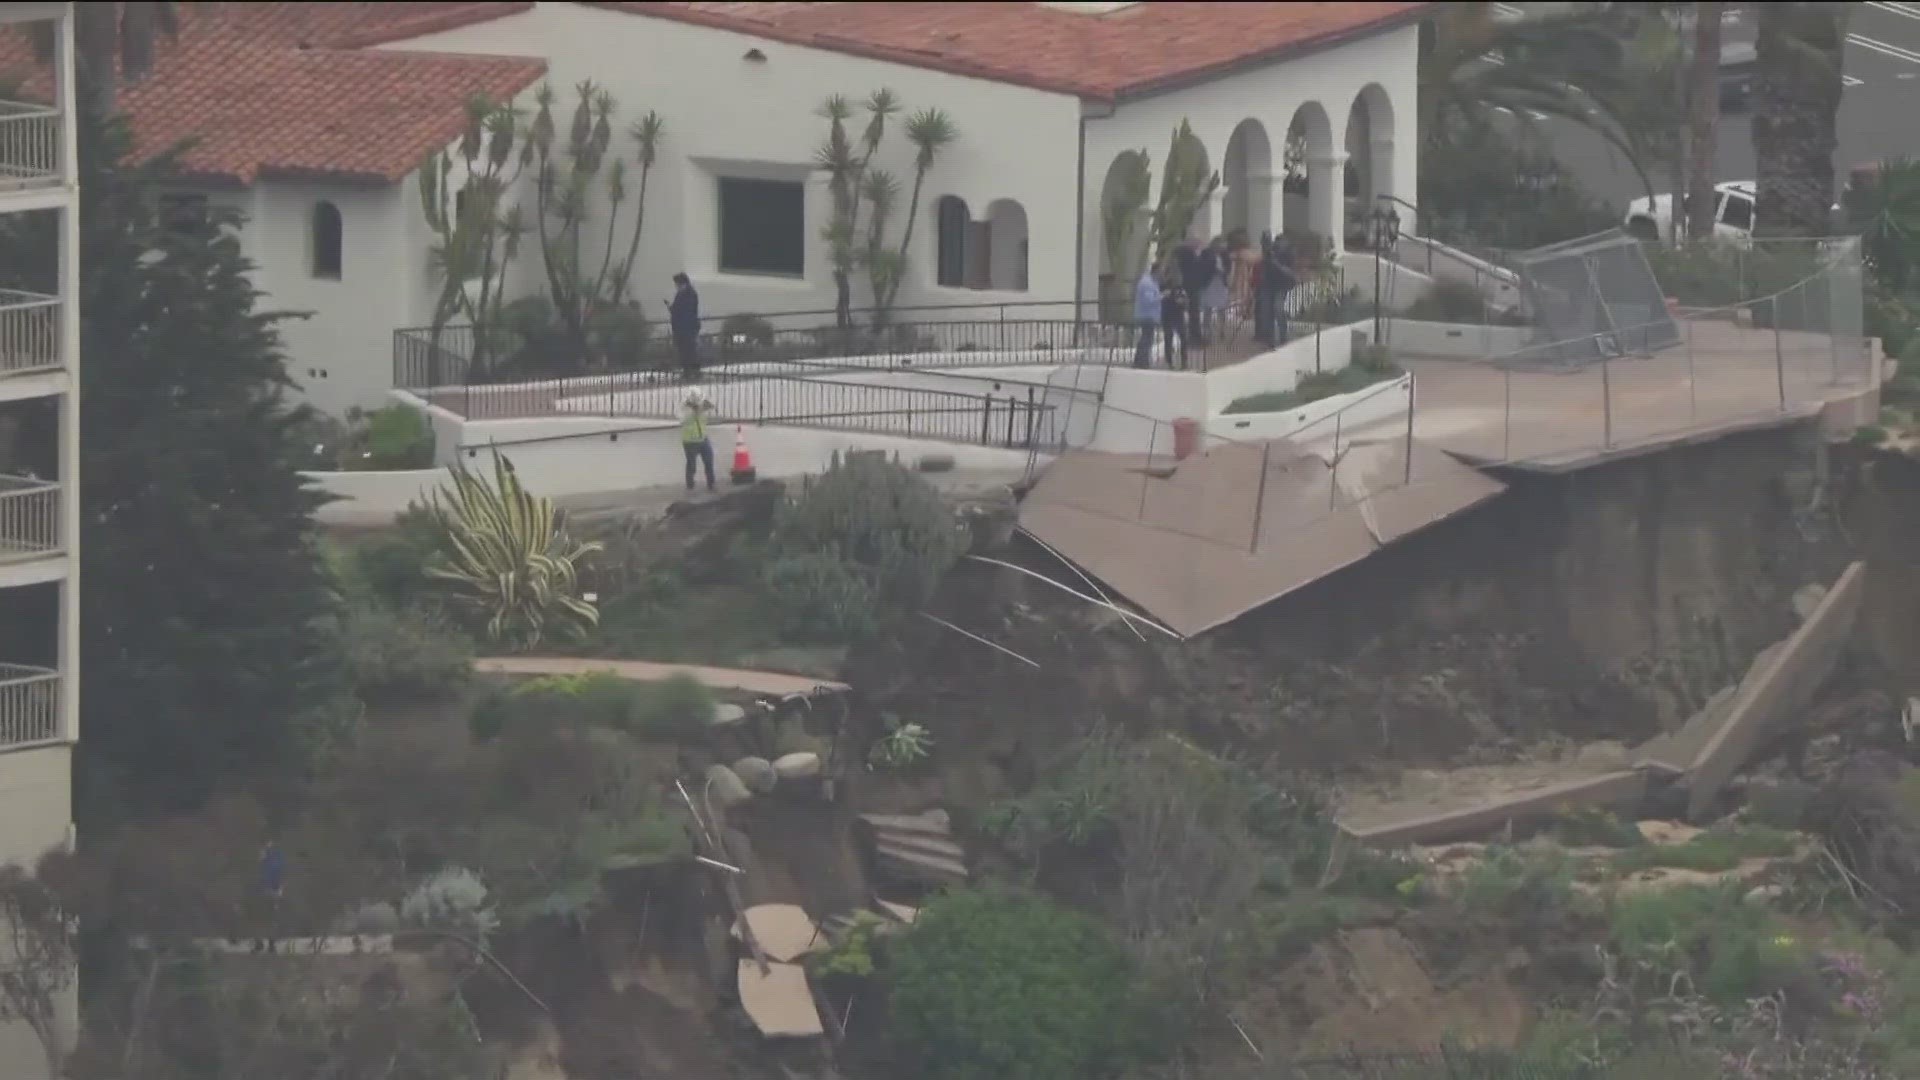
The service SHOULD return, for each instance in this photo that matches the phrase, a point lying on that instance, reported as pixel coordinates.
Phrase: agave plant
(507, 557)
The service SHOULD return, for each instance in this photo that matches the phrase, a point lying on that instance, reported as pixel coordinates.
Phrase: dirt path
(752, 682)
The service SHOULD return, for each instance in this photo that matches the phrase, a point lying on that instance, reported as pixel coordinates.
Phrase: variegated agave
(508, 559)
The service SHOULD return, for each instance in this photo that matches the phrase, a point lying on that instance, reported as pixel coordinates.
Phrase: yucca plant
(507, 558)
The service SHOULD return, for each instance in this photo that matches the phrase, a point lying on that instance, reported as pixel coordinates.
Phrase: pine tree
(203, 599)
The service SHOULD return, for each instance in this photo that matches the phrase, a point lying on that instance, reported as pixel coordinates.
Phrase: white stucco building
(317, 138)
(39, 505)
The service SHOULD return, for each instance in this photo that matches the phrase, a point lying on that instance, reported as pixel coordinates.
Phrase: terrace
(30, 332)
(29, 706)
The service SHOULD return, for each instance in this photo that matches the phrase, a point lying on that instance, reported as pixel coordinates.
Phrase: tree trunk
(1796, 114)
(1704, 122)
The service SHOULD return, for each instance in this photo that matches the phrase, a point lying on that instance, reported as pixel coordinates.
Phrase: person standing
(1173, 320)
(683, 317)
(694, 441)
(1279, 280)
(1195, 275)
(1146, 316)
(1212, 294)
(1263, 284)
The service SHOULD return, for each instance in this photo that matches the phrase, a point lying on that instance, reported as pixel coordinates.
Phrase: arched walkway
(1247, 173)
(1369, 147)
(1313, 204)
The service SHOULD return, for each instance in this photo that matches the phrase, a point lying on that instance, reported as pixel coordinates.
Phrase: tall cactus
(1185, 186)
(475, 240)
(1122, 204)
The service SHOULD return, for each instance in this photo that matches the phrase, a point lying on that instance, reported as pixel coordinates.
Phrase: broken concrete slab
(1603, 789)
(935, 822)
(1673, 752)
(1775, 687)
(779, 1001)
(784, 931)
(797, 766)
(920, 866)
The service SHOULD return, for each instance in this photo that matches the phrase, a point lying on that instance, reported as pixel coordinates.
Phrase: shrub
(987, 986)
(888, 530)
(820, 596)
(1525, 884)
(1713, 851)
(738, 331)
(1450, 302)
(507, 558)
(396, 437)
(395, 652)
(679, 707)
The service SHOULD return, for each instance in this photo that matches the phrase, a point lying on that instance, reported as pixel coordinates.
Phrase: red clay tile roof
(277, 90)
(1133, 50)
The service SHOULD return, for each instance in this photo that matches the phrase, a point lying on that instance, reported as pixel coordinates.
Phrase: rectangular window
(763, 226)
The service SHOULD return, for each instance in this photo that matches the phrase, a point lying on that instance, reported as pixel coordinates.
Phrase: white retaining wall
(1411, 337)
(628, 461)
(1360, 410)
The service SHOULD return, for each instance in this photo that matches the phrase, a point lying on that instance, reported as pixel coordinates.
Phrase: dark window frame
(755, 239)
(952, 229)
(328, 238)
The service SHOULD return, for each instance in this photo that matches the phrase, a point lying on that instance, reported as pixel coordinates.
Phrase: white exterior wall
(1271, 94)
(727, 115)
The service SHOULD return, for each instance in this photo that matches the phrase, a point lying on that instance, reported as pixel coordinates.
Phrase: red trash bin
(1186, 437)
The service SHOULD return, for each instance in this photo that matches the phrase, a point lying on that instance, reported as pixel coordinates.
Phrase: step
(937, 846)
(922, 864)
(933, 821)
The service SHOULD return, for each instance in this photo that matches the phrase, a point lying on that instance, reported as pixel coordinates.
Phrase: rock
(1807, 600)
(1761, 894)
(727, 714)
(757, 773)
(725, 786)
(799, 766)
(793, 738)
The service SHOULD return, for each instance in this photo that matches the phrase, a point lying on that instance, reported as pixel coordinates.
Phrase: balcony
(29, 332)
(29, 518)
(29, 706)
(29, 146)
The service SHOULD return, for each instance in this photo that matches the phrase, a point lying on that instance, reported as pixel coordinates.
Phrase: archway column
(1274, 186)
(1326, 197)
(1211, 217)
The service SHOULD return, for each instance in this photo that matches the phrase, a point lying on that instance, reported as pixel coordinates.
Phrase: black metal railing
(1035, 332)
(1000, 413)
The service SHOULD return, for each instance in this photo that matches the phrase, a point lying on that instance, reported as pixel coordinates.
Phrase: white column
(1266, 203)
(1207, 218)
(69, 423)
(1326, 197)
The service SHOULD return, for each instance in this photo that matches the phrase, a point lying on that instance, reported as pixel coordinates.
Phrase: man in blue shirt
(1146, 316)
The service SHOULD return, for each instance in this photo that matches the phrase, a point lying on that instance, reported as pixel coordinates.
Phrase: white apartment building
(39, 496)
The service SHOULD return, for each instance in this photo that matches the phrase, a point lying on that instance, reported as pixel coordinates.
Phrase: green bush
(396, 437)
(745, 330)
(1731, 948)
(990, 986)
(402, 652)
(1713, 851)
(862, 543)
(679, 707)
(1518, 883)
(1450, 302)
(821, 597)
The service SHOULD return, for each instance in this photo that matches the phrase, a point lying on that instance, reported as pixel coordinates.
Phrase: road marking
(1508, 10)
(1848, 80)
(1884, 49)
(1905, 11)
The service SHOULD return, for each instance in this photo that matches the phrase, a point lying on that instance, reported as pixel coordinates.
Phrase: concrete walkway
(769, 683)
(653, 502)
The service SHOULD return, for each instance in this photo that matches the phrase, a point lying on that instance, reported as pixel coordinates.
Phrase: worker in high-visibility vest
(693, 437)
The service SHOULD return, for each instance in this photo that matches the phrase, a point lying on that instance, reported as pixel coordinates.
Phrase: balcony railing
(29, 517)
(29, 145)
(29, 332)
(29, 706)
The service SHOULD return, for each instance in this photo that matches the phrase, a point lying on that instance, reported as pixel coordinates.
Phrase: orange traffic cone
(742, 471)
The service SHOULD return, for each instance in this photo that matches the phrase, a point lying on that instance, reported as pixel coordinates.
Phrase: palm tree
(1796, 112)
(1478, 75)
(113, 43)
(1884, 205)
(1703, 118)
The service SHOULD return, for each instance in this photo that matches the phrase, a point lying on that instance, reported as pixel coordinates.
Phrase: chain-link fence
(1592, 298)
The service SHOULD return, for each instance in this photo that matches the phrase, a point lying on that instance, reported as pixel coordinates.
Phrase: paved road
(1879, 116)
